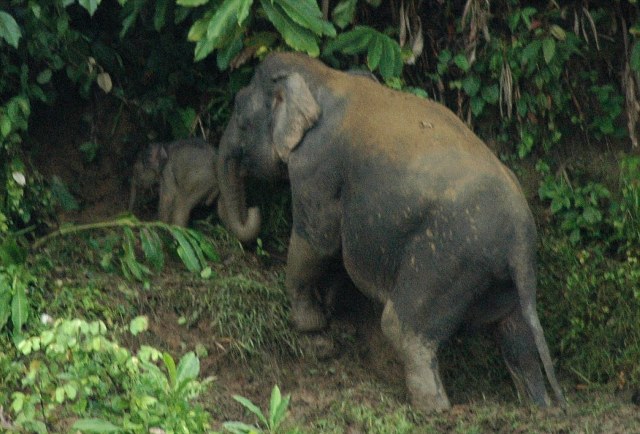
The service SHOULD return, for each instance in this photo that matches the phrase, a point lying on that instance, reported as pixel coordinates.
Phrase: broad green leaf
(343, 13)
(204, 47)
(188, 368)
(90, 5)
(192, 3)
(352, 42)
(152, 247)
(127, 22)
(280, 411)
(461, 62)
(374, 54)
(225, 19)
(138, 325)
(530, 52)
(548, 49)
(277, 408)
(44, 77)
(391, 60)
(274, 403)
(170, 364)
(199, 29)
(185, 251)
(19, 307)
(9, 29)
(208, 249)
(558, 32)
(70, 391)
(471, 85)
(5, 126)
(308, 15)
(95, 426)
(477, 105)
(491, 94)
(129, 264)
(59, 395)
(252, 408)
(194, 241)
(296, 36)
(160, 16)
(243, 11)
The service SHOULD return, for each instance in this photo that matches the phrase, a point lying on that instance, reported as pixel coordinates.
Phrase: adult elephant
(423, 216)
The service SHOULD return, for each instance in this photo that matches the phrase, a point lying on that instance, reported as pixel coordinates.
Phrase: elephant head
(270, 117)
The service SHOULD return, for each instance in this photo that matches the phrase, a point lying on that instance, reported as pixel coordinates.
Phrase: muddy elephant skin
(424, 217)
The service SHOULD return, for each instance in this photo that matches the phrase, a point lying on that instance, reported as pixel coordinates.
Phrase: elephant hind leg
(521, 356)
(420, 362)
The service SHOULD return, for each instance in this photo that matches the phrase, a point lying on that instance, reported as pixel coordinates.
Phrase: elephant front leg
(305, 268)
(420, 363)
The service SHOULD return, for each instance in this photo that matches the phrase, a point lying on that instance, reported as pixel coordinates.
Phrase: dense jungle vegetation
(110, 323)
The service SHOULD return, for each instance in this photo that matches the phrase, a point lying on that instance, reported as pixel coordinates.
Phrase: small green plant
(16, 282)
(73, 371)
(277, 412)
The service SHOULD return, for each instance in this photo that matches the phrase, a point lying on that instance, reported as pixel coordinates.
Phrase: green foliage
(529, 74)
(139, 247)
(9, 29)
(16, 283)
(382, 52)
(277, 412)
(578, 209)
(222, 26)
(591, 276)
(626, 211)
(72, 370)
(592, 305)
(590, 213)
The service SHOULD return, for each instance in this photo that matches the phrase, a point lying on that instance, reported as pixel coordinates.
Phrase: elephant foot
(307, 316)
(425, 399)
(319, 345)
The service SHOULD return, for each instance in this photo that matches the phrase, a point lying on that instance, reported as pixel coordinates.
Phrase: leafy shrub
(591, 304)
(578, 209)
(626, 211)
(74, 374)
(590, 275)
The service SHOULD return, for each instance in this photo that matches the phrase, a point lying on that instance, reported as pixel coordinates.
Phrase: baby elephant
(185, 170)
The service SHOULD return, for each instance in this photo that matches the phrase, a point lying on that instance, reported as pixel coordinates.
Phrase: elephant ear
(295, 110)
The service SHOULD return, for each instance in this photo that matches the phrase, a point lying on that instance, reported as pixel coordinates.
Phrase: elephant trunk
(232, 208)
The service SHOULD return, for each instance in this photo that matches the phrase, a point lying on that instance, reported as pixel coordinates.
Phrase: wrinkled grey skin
(186, 175)
(423, 216)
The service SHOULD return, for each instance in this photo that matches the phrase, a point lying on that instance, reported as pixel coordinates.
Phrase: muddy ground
(357, 387)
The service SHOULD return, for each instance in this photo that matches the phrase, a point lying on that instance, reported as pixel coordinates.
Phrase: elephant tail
(524, 277)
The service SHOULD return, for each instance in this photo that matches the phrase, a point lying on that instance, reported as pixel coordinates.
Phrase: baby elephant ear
(295, 110)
